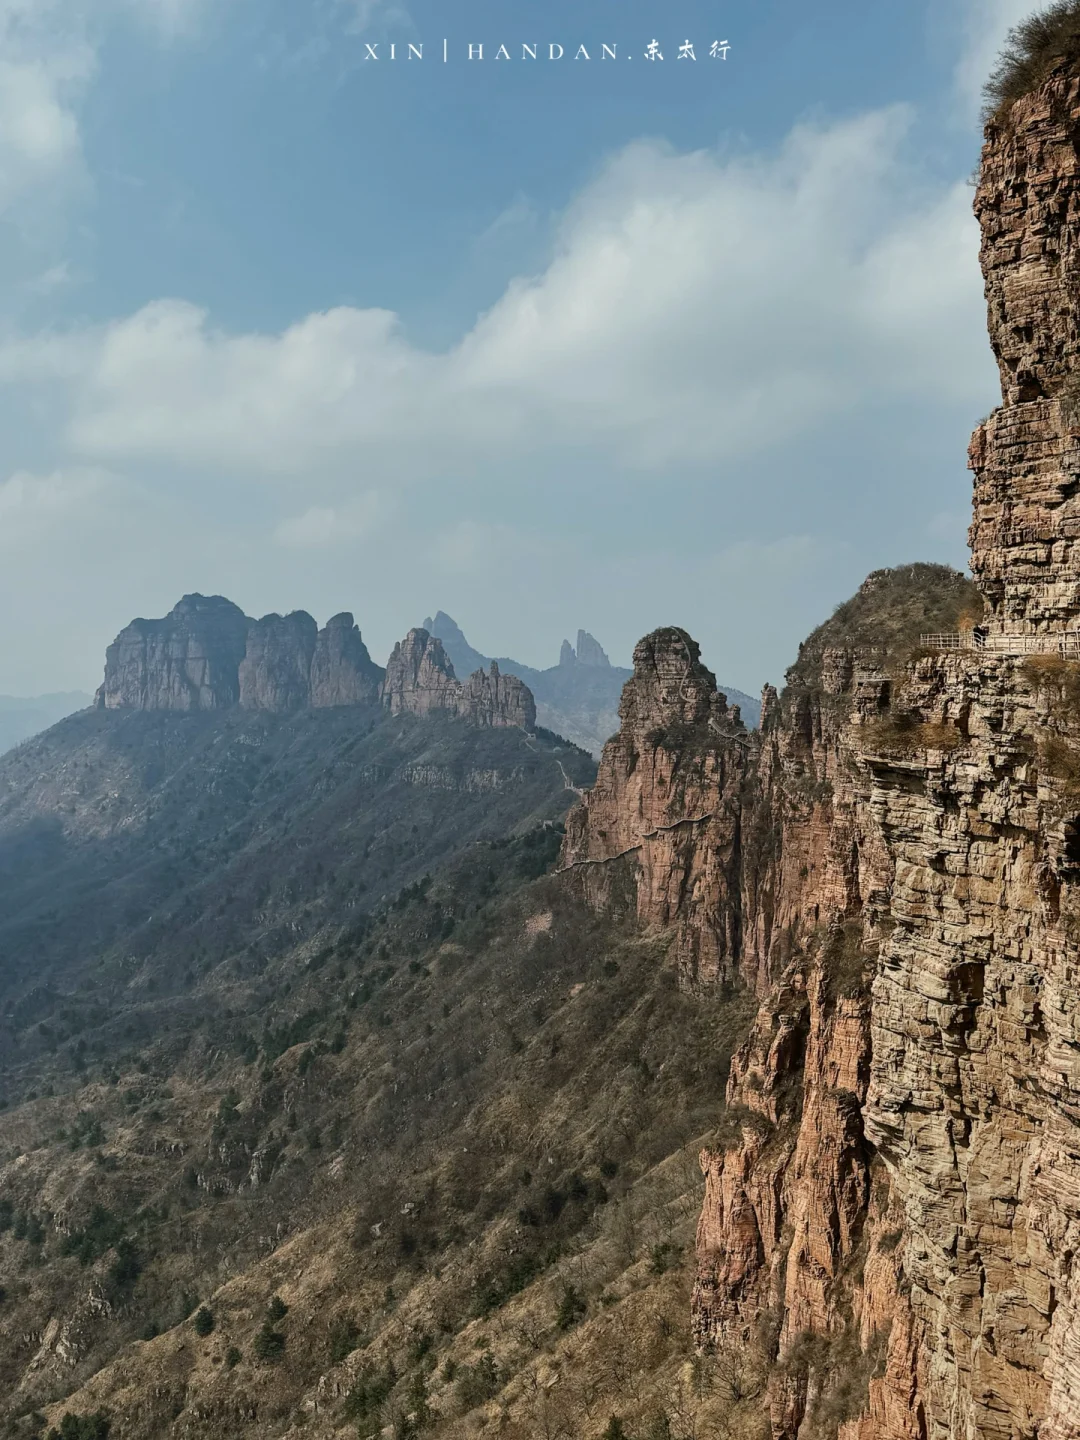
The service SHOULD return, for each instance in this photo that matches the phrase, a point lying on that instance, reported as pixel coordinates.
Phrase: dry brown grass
(1034, 48)
(904, 736)
(1056, 679)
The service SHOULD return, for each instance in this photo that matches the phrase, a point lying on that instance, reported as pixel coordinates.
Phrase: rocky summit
(892, 1206)
(206, 654)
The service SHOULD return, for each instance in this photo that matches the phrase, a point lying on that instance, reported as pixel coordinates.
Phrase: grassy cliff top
(888, 613)
(1033, 49)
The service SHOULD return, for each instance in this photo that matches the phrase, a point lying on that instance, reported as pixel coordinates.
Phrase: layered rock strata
(901, 1186)
(420, 680)
(891, 1221)
(667, 800)
(190, 660)
(1026, 456)
(206, 654)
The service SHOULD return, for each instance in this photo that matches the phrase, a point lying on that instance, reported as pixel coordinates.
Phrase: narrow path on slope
(649, 835)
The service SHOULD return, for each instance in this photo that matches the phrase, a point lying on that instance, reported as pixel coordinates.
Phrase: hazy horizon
(314, 332)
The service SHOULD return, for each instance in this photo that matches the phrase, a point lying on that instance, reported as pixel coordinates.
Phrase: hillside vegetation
(311, 1130)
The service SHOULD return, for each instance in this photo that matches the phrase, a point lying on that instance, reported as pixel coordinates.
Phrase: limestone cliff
(206, 654)
(1026, 456)
(903, 1191)
(275, 673)
(420, 680)
(892, 1208)
(190, 660)
(342, 671)
(668, 800)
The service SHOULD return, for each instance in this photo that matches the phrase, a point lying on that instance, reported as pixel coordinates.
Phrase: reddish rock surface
(667, 801)
(892, 1204)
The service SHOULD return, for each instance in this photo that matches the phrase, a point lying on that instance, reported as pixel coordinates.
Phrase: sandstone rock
(667, 803)
(490, 698)
(342, 671)
(1026, 456)
(275, 673)
(190, 660)
(420, 680)
(924, 1199)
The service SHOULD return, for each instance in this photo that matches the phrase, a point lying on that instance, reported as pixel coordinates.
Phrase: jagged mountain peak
(206, 654)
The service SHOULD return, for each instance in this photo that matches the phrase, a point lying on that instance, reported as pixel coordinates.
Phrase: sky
(600, 343)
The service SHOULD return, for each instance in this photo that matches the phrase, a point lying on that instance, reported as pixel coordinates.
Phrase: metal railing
(1067, 646)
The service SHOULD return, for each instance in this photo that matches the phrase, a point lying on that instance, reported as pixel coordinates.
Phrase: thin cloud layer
(726, 353)
(696, 305)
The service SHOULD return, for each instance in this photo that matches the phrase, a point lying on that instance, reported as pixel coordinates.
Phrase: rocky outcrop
(206, 654)
(898, 1186)
(588, 651)
(420, 680)
(1026, 456)
(342, 671)
(490, 698)
(190, 660)
(892, 1204)
(667, 801)
(275, 673)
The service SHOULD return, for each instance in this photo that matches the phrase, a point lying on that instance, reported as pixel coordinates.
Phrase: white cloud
(30, 503)
(323, 525)
(696, 306)
(48, 59)
(365, 15)
(170, 18)
(45, 65)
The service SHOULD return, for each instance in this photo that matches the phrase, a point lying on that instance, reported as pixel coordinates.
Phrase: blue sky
(544, 344)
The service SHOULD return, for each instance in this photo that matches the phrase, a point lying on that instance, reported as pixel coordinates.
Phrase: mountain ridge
(578, 697)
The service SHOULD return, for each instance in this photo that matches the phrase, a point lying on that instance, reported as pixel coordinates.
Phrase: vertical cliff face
(206, 654)
(188, 661)
(1026, 456)
(489, 698)
(342, 671)
(275, 673)
(898, 1191)
(892, 1205)
(667, 802)
(420, 680)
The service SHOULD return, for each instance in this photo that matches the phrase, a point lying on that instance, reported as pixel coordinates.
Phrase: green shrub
(344, 1339)
(204, 1321)
(370, 1392)
(269, 1344)
(479, 1383)
(126, 1268)
(572, 1307)
(101, 1232)
(276, 1310)
(82, 1427)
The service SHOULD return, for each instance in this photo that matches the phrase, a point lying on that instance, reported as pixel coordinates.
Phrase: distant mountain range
(579, 697)
(21, 718)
